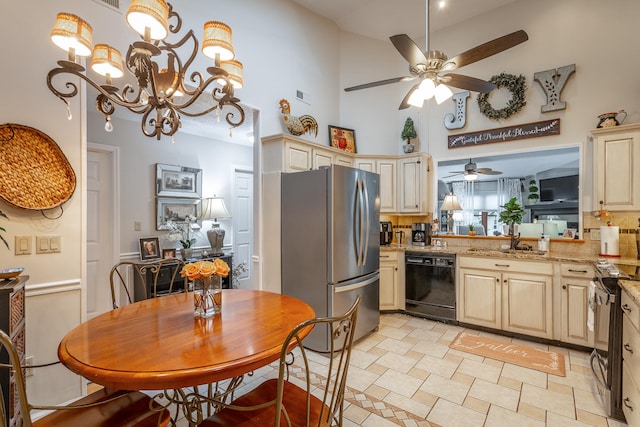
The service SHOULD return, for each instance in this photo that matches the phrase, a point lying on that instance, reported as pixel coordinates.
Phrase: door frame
(248, 170)
(114, 154)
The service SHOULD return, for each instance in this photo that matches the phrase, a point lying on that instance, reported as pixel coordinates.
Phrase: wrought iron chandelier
(160, 88)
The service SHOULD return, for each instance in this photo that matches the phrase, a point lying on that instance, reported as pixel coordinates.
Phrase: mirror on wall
(545, 183)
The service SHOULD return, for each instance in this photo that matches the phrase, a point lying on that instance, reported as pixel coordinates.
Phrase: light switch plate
(42, 244)
(55, 244)
(22, 245)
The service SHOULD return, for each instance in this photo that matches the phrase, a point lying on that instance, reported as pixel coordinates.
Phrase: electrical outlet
(594, 233)
(28, 372)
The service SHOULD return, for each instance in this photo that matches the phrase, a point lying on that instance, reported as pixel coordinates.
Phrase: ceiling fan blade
(379, 83)
(489, 172)
(487, 49)
(405, 102)
(469, 83)
(408, 49)
(454, 174)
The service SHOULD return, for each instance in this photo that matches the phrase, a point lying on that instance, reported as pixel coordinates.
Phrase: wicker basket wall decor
(34, 172)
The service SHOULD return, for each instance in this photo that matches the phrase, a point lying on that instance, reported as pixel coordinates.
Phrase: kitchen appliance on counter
(606, 312)
(610, 241)
(420, 234)
(386, 232)
(430, 285)
(330, 245)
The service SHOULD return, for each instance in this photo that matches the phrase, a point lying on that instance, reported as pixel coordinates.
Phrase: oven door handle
(595, 357)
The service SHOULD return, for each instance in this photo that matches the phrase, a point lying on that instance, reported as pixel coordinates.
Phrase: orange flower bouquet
(207, 285)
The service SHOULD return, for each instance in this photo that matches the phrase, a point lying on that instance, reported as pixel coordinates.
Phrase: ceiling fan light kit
(433, 68)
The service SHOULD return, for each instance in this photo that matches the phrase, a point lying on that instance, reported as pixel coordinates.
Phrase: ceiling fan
(471, 172)
(433, 69)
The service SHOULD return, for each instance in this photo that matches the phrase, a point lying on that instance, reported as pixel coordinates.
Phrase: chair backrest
(332, 381)
(20, 392)
(146, 280)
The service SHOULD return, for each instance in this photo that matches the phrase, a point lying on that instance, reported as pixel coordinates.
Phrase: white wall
(594, 35)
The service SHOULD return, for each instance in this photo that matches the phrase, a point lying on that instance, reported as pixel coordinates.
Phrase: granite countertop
(632, 288)
(533, 255)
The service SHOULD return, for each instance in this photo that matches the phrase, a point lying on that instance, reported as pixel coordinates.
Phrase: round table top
(158, 344)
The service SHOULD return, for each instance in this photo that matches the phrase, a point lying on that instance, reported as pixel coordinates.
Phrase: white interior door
(101, 184)
(243, 225)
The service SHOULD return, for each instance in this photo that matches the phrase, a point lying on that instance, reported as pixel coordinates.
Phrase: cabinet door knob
(627, 403)
(628, 347)
(626, 308)
(564, 286)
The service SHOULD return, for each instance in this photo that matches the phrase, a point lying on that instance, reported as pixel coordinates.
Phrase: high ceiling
(381, 19)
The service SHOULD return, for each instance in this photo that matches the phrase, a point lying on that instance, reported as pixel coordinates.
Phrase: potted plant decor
(512, 214)
(3, 230)
(533, 192)
(472, 231)
(408, 132)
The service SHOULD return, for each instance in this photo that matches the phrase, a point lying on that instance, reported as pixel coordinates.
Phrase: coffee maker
(386, 232)
(420, 234)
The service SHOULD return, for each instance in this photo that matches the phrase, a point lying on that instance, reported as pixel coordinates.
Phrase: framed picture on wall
(149, 248)
(169, 253)
(178, 181)
(176, 210)
(342, 138)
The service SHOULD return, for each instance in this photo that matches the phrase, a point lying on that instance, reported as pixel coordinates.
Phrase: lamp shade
(450, 203)
(72, 32)
(214, 208)
(107, 60)
(470, 176)
(151, 14)
(217, 40)
(443, 93)
(234, 68)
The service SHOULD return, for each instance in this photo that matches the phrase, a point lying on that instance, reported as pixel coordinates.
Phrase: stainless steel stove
(606, 362)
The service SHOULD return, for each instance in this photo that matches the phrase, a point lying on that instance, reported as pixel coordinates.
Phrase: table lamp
(450, 204)
(214, 208)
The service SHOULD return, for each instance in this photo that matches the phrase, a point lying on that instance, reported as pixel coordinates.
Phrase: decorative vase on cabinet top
(607, 120)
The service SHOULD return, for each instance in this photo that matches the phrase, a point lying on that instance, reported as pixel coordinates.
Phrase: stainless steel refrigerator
(331, 245)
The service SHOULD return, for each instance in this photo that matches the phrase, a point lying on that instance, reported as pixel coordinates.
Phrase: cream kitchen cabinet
(413, 183)
(574, 304)
(617, 168)
(282, 153)
(386, 168)
(630, 360)
(506, 294)
(391, 295)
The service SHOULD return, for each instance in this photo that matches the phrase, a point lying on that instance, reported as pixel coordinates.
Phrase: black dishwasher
(430, 281)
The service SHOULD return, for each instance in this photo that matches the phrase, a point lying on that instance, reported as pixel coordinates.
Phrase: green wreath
(516, 86)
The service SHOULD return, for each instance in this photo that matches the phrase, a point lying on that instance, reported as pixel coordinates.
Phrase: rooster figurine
(298, 125)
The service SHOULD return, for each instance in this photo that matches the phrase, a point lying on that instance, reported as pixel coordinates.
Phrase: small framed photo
(569, 233)
(342, 138)
(169, 253)
(149, 248)
(178, 181)
(176, 210)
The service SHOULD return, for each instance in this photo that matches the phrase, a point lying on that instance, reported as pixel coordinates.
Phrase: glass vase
(207, 296)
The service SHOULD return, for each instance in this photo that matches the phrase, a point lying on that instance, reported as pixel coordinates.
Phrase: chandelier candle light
(155, 64)
(214, 208)
(207, 285)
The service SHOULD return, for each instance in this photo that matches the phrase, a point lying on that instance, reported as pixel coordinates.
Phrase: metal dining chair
(146, 280)
(281, 401)
(104, 408)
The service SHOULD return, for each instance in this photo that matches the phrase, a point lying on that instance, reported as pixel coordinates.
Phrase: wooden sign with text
(511, 133)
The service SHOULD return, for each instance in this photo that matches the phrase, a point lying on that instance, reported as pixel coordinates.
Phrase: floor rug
(517, 354)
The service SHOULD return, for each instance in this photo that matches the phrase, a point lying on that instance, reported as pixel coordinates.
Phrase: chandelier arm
(229, 116)
(77, 71)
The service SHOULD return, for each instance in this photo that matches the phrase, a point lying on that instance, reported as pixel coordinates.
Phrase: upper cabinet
(404, 179)
(617, 168)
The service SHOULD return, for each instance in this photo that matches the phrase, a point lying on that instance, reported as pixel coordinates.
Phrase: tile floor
(406, 375)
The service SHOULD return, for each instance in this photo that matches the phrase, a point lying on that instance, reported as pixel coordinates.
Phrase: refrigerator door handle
(356, 223)
(365, 194)
(359, 190)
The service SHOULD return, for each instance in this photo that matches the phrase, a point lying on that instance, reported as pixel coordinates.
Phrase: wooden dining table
(158, 344)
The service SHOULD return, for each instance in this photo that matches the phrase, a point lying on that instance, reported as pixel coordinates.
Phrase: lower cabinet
(390, 281)
(630, 360)
(574, 304)
(506, 294)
